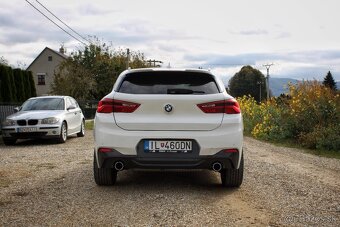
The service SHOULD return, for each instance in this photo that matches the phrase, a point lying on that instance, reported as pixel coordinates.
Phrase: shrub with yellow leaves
(309, 114)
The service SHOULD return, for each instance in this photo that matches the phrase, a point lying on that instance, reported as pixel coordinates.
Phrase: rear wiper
(178, 91)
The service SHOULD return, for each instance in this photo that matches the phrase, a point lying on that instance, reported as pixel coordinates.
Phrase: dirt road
(52, 184)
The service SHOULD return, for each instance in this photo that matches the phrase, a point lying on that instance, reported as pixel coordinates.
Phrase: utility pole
(260, 83)
(127, 58)
(268, 67)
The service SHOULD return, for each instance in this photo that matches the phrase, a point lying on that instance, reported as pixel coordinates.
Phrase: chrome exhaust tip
(216, 166)
(119, 166)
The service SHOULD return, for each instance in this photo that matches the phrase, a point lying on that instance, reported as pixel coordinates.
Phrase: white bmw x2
(168, 119)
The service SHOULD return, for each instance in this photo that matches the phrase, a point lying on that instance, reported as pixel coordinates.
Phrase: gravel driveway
(42, 183)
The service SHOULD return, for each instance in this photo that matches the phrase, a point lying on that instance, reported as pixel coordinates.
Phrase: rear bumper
(127, 146)
(169, 161)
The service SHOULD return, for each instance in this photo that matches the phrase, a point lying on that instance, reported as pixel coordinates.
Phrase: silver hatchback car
(44, 117)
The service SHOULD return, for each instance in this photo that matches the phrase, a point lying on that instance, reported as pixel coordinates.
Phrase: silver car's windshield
(43, 104)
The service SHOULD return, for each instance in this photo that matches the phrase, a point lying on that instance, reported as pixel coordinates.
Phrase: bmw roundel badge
(168, 108)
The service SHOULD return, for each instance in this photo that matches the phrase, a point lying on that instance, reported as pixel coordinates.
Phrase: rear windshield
(191, 83)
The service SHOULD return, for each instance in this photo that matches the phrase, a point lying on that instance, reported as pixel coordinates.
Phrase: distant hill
(279, 85)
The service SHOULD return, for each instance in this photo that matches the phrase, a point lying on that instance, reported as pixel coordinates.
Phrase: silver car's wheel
(63, 133)
(82, 129)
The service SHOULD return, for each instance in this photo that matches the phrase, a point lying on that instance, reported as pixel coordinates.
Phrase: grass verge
(89, 124)
(292, 144)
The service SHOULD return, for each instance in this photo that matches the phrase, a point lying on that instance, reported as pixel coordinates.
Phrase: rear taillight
(104, 150)
(232, 150)
(116, 106)
(229, 106)
(105, 106)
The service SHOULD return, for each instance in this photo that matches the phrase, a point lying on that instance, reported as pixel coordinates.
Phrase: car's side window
(74, 102)
(68, 103)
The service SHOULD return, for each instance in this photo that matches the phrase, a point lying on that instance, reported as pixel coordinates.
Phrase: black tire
(233, 177)
(82, 129)
(103, 176)
(9, 141)
(63, 133)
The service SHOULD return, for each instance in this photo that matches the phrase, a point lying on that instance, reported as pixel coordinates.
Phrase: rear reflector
(104, 150)
(233, 150)
(229, 106)
(108, 105)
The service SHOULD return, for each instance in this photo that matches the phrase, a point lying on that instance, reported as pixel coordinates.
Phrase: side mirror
(72, 107)
(17, 109)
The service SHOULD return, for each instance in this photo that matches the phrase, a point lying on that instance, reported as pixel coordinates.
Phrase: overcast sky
(301, 37)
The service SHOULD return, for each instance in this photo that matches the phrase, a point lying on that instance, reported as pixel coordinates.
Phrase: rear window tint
(174, 83)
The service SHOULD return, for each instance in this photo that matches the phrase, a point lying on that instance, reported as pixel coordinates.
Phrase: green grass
(292, 144)
(89, 125)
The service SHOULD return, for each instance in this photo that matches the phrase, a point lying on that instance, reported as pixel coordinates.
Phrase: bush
(309, 115)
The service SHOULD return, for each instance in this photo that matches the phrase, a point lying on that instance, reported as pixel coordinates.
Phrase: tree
(3, 61)
(328, 81)
(6, 92)
(12, 84)
(74, 80)
(31, 83)
(27, 86)
(248, 81)
(18, 80)
(91, 73)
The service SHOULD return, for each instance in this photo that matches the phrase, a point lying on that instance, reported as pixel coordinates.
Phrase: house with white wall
(44, 67)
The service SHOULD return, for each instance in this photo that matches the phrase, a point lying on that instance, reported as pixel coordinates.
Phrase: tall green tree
(91, 73)
(32, 85)
(12, 84)
(248, 81)
(328, 81)
(6, 92)
(18, 80)
(3, 61)
(27, 86)
(74, 80)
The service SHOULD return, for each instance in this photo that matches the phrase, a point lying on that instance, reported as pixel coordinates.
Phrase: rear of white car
(168, 119)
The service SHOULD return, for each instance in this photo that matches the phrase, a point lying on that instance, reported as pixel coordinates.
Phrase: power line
(56, 23)
(62, 21)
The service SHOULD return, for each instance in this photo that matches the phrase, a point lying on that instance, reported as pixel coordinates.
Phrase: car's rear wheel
(63, 133)
(82, 129)
(103, 176)
(9, 141)
(233, 177)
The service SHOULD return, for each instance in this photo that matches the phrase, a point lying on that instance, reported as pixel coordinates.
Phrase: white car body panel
(123, 131)
(151, 114)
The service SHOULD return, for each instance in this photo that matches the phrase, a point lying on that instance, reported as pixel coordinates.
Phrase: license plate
(27, 129)
(164, 146)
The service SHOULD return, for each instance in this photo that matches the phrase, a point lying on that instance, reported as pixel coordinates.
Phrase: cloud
(299, 65)
(283, 35)
(91, 9)
(254, 32)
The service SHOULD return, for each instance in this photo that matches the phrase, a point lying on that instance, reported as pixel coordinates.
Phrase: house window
(41, 79)
(49, 58)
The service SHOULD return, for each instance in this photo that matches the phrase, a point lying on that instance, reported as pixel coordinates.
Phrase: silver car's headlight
(50, 120)
(8, 122)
